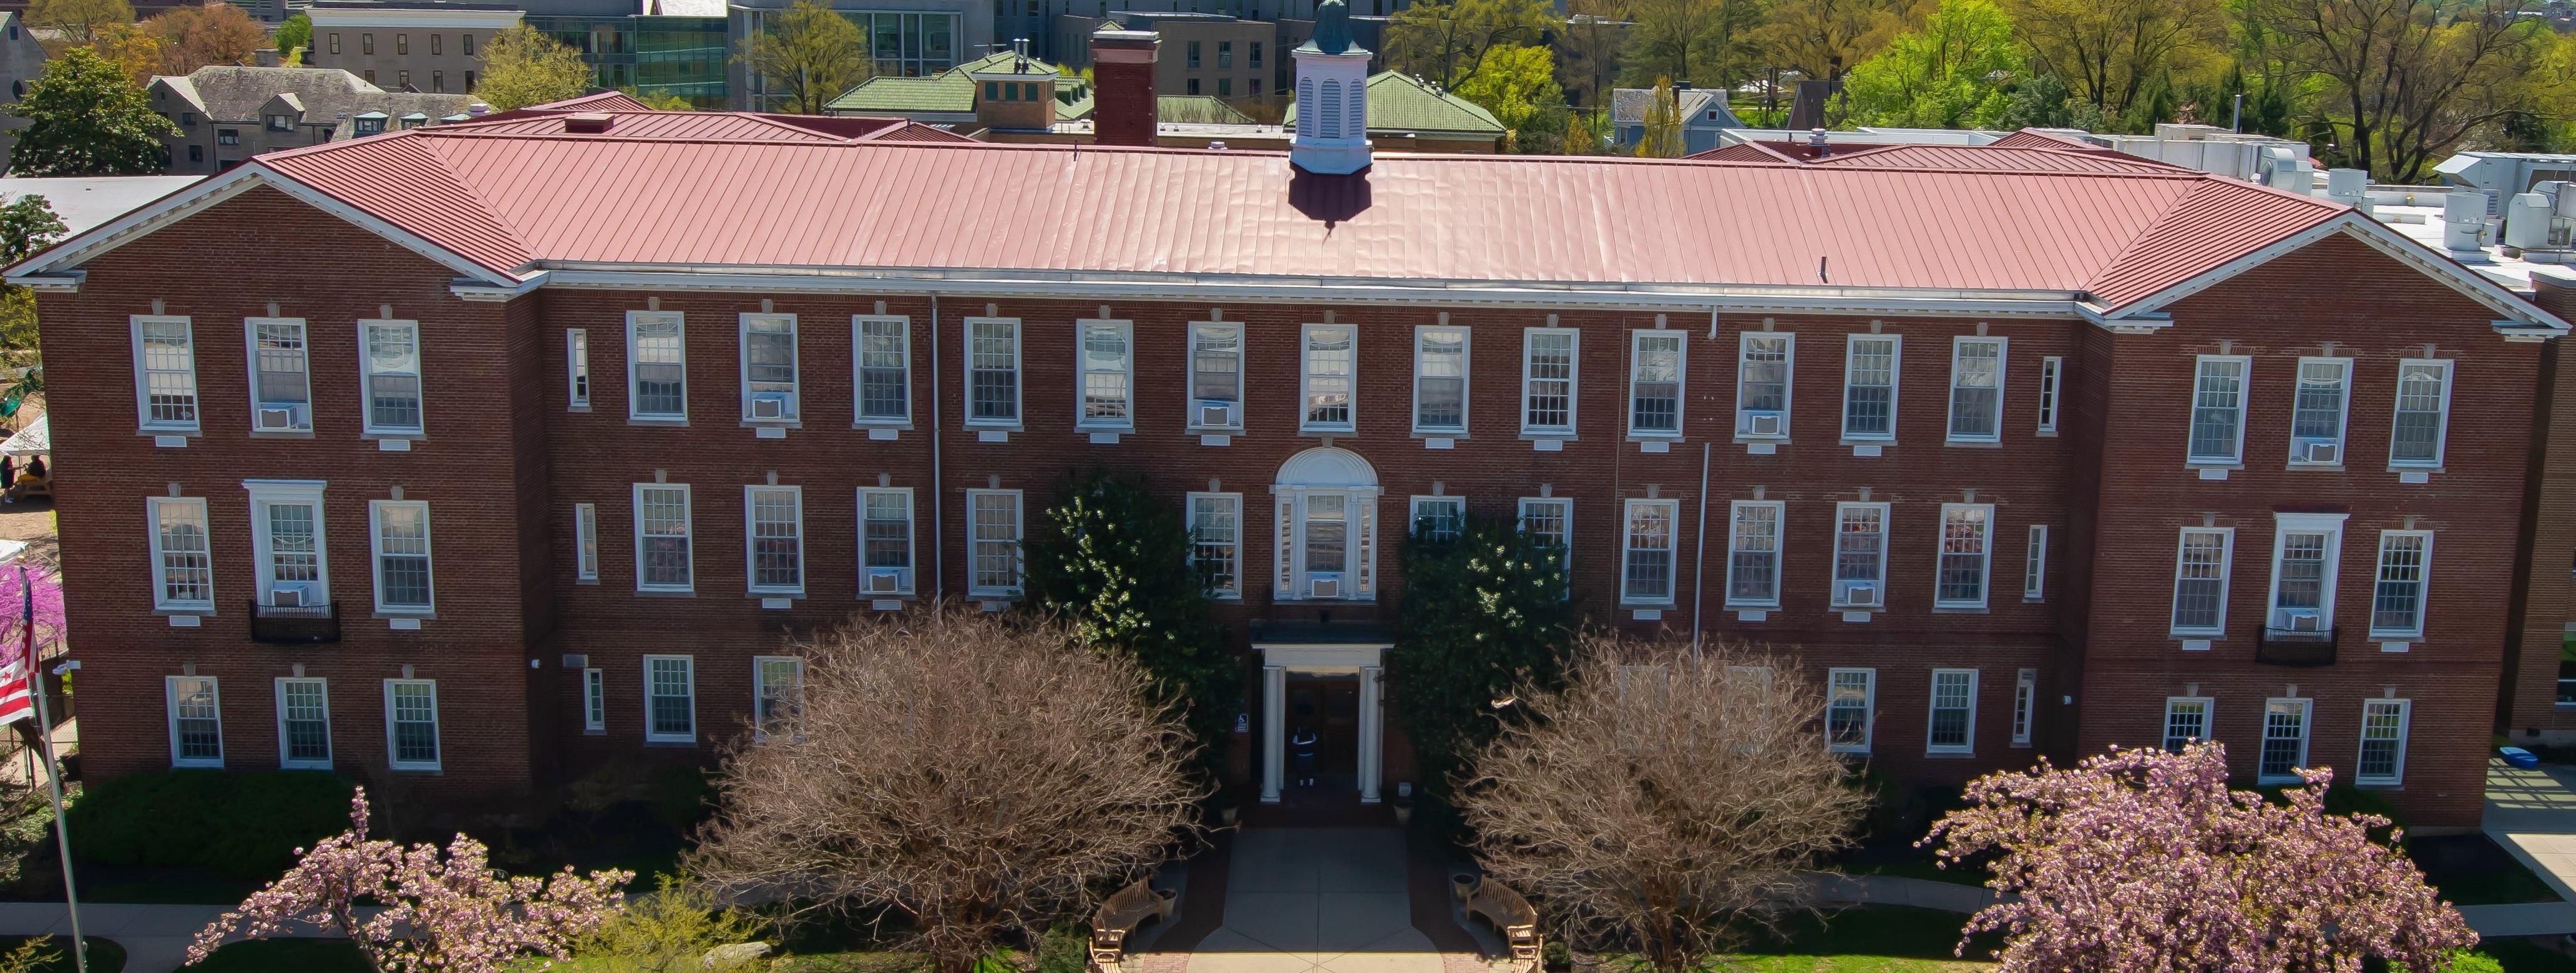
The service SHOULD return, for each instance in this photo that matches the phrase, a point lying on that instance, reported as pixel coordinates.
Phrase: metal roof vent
(1816, 141)
(590, 122)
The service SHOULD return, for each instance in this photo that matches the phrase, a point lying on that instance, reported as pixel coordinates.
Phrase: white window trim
(1573, 382)
(2226, 579)
(1681, 382)
(1932, 714)
(1779, 550)
(266, 492)
(2441, 430)
(2423, 586)
(594, 700)
(250, 359)
(2052, 394)
(1986, 582)
(760, 730)
(1672, 554)
(1019, 546)
(1359, 543)
(1242, 375)
(1019, 374)
(1949, 411)
(1869, 710)
(1466, 380)
(650, 736)
(2034, 564)
(1521, 513)
(1242, 564)
(1788, 383)
(795, 367)
(858, 367)
(750, 557)
(2285, 524)
(657, 418)
(577, 369)
(1082, 373)
(2405, 720)
(2025, 712)
(585, 542)
(376, 558)
(170, 720)
(1834, 569)
(328, 744)
(366, 371)
(160, 576)
(437, 732)
(2235, 457)
(2343, 417)
(2263, 736)
(1306, 380)
(1895, 385)
(144, 424)
(1414, 509)
(2208, 718)
(911, 542)
(688, 502)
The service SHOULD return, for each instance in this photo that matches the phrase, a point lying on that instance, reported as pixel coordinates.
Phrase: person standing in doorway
(1304, 742)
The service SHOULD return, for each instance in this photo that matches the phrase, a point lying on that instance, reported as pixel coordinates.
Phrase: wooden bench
(1118, 919)
(1510, 915)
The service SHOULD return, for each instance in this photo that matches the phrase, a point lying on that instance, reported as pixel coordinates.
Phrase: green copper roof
(1184, 109)
(948, 91)
(1400, 103)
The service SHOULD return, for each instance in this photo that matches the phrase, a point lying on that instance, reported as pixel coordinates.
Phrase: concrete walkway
(1317, 900)
(2532, 814)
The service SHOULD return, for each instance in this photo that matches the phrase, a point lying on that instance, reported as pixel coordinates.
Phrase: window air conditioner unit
(769, 405)
(291, 596)
(1764, 423)
(1860, 593)
(280, 416)
(2324, 451)
(1324, 586)
(1216, 415)
(2305, 621)
(885, 581)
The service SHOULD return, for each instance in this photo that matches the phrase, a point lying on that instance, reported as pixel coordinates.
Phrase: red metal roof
(1991, 157)
(722, 126)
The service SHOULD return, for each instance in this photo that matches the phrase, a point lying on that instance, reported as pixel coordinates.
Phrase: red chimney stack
(1123, 107)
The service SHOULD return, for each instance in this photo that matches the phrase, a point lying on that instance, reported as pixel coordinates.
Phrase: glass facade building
(677, 57)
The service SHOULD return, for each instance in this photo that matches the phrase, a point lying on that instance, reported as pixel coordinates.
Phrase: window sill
(1310, 431)
(1949, 755)
(2394, 468)
(1654, 437)
(428, 616)
(374, 434)
(757, 593)
(1439, 434)
(281, 434)
(2380, 785)
(1125, 430)
(1567, 436)
(185, 612)
(672, 593)
(904, 425)
(1747, 606)
(1959, 609)
(653, 421)
(1648, 605)
(749, 423)
(2196, 636)
(673, 744)
(414, 769)
(1862, 441)
(2213, 465)
(1975, 443)
(2316, 467)
(993, 427)
(190, 432)
(1214, 431)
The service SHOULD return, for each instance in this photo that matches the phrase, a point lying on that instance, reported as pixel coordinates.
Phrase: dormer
(370, 123)
(1015, 92)
(281, 112)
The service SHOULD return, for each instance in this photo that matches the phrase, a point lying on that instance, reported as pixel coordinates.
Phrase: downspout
(1699, 556)
(938, 494)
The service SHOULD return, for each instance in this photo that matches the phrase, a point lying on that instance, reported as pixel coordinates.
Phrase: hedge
(243, 825)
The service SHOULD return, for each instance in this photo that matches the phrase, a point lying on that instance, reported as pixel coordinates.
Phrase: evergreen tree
(1485, 616)
(87, 119)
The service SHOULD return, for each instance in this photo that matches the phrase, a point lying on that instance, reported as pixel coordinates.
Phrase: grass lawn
(1866, 939)
(285, 956)
(105, 956)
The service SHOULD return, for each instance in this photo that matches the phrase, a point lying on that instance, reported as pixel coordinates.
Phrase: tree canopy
(86, 118)
(80, 21)
(1950, 73)
(215, 33)
(813, 55)
(524, 66)
(1446, 41)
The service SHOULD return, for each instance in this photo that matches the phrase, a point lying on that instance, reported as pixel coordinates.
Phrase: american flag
(15, 702)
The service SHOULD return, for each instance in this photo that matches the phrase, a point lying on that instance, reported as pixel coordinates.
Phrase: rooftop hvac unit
(769, 405)
(885, 581)
(1764, 423)
(2320, 451)
(1324, 586)
(1216, 415)
(280, 416)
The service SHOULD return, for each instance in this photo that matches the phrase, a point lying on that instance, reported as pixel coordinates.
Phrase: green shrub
(668, 931)
(2471, 961)
(243, 825)
(1064, 949)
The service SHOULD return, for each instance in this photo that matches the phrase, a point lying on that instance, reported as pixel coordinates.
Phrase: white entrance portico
(1322, 649)
(1326, 504)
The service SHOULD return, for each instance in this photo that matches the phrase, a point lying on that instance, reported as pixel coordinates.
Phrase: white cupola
(1332, 97)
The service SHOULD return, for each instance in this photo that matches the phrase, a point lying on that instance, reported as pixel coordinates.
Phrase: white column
(1372, 735)
(1274, 719)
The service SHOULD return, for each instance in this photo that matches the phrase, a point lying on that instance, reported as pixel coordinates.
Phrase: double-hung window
(2382, 761)
(1327, 371)
(777, 692)
(183, 571)
(1216, 376)
(768, 367)
(2052, 390)
(281, 375)
(885, 542)
(2305, 549)
(1440, 380)
(303, 724)
(1547, 381)
(1108, 356)
(2423, 413)
(1850, 698)
(2034, 564)
(993, 372)
(2201, 566)
(2397, 600)
(2318, 411)
(993, 539)
(2285, 741)
(1871, 364)
(1976, 390)
(165, 374)
(1753, 554)
(2218, 410)
(774, 539)
(2186, 721)
(1762, 371)
(1646, 569)
(196, 722)
(411, 724)
(2025, 696)
(1439, 518)
(390, 352)
(670, 699)
(401, 535)
(585, 541)
(594, 700)
(287, 545)
(1860, 555)
(1655, 369)
(1967, 541)
(663, 560)
(1551, 519)
(1954, 712)
(1216, 542)
(657, 367)
(577, 369)
(884, 364)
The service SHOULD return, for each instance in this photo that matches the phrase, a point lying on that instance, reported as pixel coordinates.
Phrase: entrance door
(1328, 707)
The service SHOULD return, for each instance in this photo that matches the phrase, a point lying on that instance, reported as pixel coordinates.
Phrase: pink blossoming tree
(2144, 860)
(445, 911)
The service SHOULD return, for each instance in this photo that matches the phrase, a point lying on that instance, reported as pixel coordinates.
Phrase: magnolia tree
(445, 911)
(2145, 860)
(975, 773)
(1663, 793)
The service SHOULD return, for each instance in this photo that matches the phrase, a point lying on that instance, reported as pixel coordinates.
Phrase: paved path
(2532, 814)
(1317, 900)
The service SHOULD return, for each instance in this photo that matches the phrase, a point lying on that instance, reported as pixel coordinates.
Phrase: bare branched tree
(1662, 796)
(975, 774)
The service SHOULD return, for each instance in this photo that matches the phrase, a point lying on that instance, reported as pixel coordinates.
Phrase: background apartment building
(226, 114)
(431, 48)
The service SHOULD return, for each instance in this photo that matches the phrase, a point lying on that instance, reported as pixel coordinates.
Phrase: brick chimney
(1123, 107)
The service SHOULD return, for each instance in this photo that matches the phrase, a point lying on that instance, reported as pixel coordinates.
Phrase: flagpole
(53, 773)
